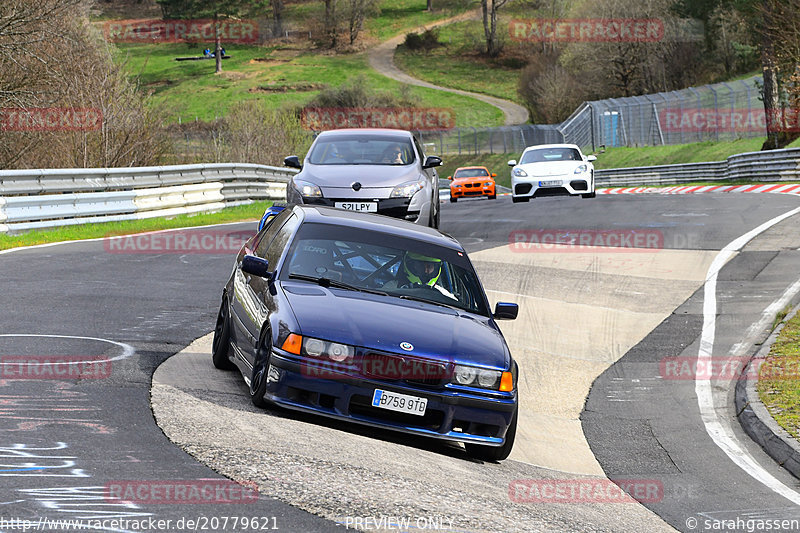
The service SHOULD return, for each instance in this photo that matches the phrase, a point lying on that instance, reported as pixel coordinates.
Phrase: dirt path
(381, 58)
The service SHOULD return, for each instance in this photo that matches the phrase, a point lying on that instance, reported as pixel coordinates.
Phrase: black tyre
(453, 200)
(493, 197)
(258, 381)
(589, 195)
(495, 453)
(221, 345)
(517, 199)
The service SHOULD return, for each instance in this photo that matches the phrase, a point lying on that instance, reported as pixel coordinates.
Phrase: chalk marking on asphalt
(722, 436)
(127, 349)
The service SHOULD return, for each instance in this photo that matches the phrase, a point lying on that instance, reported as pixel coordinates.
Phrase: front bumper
(535, 187)
(450, 415)
(470, 191)
(391, 207)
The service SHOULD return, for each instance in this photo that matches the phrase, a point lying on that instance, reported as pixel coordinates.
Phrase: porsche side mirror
(512, 163)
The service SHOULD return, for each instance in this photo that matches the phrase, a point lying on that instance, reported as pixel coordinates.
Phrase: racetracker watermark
(398, 523)
(378, 366)
(728, 368)
(584, 240)
(195, 491)
(50, 119)
(586, 30)
(180, 31)
(411, 118)
(189, 241)
(585, 491)
(54, 367)
(698, 120)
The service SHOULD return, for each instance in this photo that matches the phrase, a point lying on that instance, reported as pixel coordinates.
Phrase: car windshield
(471, 173)
(362, 150)
(551, 154)
(374, 261)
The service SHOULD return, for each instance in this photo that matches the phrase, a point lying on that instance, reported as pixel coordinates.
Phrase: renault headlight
(307, 189)
(407, 190)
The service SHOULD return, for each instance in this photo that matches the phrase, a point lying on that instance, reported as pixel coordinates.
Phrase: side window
(270, 232)
(280, 241)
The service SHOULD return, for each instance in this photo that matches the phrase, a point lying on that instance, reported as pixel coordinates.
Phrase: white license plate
(399, 402)
(550, 183)
(369, 207)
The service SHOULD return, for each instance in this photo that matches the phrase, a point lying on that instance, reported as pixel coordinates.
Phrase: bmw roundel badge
(407, 346)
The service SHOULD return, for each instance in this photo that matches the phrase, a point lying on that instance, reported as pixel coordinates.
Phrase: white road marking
(722, 435)
(127, 349)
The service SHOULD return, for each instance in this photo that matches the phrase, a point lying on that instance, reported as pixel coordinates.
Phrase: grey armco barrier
(31, 199)
(773, 165)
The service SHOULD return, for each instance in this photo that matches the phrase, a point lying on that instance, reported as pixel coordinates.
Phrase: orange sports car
(472, 181)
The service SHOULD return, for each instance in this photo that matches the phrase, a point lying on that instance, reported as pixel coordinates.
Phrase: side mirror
(505, 311)
(292, 161)
(512, 163)
(450, 178)
(591, 158)
(432, 161)
(494, 175)
(256, 266)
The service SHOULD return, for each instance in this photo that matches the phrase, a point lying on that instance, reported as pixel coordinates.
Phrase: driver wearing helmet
(418, 270)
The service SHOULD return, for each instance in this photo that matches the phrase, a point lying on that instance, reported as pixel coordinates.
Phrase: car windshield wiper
(425, 300)
(327, 282)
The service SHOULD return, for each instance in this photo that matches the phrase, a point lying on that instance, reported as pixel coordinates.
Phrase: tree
(218, 11)
(357, 11)
(780, 62)
(277, 17)
(331, 22)
(489, 9)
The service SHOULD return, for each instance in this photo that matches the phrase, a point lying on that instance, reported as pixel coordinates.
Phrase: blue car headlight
(483, 378)
(518, 172)
(318, 348)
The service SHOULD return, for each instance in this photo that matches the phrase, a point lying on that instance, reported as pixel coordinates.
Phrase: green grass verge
(677, 153)
(280, 75)
(779, 383)
(401, 16)
(92, 231)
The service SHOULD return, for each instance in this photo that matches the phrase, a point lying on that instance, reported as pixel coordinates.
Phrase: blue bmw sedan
(372, 320)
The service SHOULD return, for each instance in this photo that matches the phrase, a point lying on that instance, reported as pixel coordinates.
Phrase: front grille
(550, 191)
(392, 367)
(362, 405)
